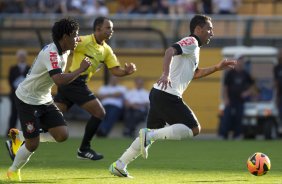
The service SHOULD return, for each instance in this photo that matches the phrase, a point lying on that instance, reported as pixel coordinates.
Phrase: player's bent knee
(61, 137)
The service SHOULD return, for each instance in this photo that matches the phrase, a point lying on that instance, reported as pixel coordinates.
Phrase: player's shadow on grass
(217, 181)
(26, 181)
(52, 180)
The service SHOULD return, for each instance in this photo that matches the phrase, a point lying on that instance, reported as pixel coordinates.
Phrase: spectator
(30, 6)
(226, 6)
(238, 87)
(112, 98)
(206, 7)
(187, 7)
(136, 107)
(71, 6)
(127, 6)
(17, 74)
(145, 7)
(160, 7)
(50, 6)
(182, 7)
(12, 6)
(94, 7)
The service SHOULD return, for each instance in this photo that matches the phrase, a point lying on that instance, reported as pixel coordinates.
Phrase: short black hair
(198, 20)
(98, 22)
(64, 26)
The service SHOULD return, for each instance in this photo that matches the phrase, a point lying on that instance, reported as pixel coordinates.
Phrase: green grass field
(169, 162)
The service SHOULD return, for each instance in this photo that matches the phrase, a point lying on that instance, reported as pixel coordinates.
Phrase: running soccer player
(180, 66)
(93, 46)
(34, 101)
(77, 92)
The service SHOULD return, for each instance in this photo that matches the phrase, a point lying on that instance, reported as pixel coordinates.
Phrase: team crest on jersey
(30, 127)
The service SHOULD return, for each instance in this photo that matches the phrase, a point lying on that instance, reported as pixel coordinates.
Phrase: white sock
(172, 132)
(21, 137)
(130, 154)
(44, 137)
(22, 157)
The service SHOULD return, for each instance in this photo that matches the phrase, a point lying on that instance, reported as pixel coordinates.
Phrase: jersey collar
(60, 51)
(198, 39)
(95, 41)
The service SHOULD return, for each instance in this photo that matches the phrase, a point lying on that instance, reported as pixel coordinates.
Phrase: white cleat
(118, 172)
(145, 143)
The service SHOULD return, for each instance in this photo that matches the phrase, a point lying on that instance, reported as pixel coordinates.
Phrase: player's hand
(164, 81)
(129, 68)
(84, 65)
(227, 63)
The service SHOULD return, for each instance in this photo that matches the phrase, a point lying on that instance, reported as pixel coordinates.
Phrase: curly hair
(64, 26)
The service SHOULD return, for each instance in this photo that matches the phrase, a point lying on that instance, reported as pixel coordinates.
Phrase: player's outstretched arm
(222, 65)
(120, 71)
(65, 78)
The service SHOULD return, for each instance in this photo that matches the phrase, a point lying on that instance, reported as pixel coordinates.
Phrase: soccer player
(93, 46)
(169, 117)
(77, 92)
(33, 96)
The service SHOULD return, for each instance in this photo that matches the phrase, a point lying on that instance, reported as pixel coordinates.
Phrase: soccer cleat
(118, 172)
(14, 175)
(145, 143)
(14, 144)
(89, 154)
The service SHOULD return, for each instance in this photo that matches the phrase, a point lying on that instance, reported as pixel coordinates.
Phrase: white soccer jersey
(36, 88)
(183, 66)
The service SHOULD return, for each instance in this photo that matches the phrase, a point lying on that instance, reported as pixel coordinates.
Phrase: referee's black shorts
(168, 108)
(76, 92)
(36, 117)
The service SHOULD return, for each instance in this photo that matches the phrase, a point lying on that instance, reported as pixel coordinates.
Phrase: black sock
(90, 130)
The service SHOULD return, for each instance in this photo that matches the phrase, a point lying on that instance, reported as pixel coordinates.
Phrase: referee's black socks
(90, 130)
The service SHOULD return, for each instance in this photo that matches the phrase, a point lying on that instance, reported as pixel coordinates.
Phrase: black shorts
(76, 92)
(36, 117)
(168, 108)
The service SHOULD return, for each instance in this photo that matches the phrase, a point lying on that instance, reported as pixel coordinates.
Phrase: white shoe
(118, 172)
(145, 143)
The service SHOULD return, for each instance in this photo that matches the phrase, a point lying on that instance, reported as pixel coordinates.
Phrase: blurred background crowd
(104, 7)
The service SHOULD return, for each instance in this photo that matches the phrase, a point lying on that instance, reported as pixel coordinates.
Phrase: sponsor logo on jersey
(54, 59)
(187, 41)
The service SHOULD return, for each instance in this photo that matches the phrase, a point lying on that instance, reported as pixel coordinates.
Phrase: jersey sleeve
(52, 62)
(187, 45)
(110, 58)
